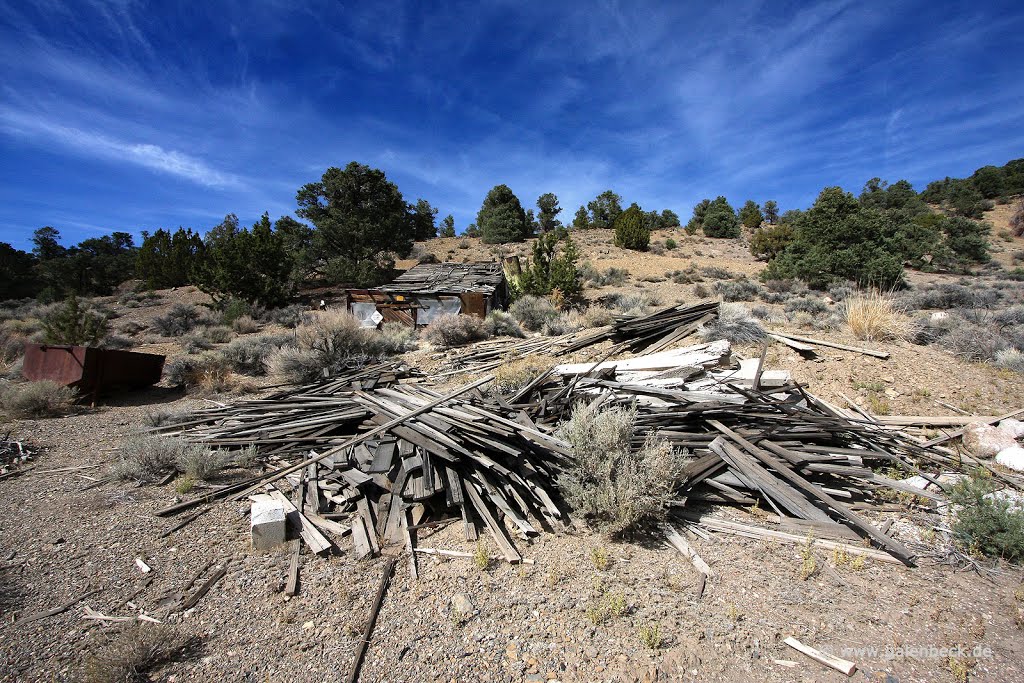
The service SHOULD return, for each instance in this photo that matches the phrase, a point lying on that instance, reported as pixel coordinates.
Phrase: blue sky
(123, 115)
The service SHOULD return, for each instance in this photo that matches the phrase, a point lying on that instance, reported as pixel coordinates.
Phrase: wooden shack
(429, 290)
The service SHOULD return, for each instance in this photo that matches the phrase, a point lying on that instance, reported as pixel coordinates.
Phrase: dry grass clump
(397, 338)
(876, 317)
(136, 652)
(611, 486)
(974, 341)
(456, 330)
(513, 375)
(36, 399)
(735, 323)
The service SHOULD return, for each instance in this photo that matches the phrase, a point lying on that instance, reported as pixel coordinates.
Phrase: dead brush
(876, 317)
(136, 652)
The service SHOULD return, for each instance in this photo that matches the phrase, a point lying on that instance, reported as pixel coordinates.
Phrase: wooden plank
(194, 599)
(842, 347)
(292, 585)
(497, 529)
(371, 621)
(360, 540)
(56, 610)
(242, 489)
(836, 663)
(781, 468)
(678, 542)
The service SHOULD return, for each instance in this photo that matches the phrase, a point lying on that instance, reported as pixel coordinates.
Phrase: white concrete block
(267, 517)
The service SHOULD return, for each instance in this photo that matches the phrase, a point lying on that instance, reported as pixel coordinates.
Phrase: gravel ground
(526, 623)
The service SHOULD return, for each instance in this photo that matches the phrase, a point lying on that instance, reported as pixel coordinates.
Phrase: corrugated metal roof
(442, 278)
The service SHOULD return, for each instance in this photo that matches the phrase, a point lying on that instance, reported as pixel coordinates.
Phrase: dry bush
(289, 316)
(597, 316)
(245, 324)
(1017, 220)
(737, 290)
(199, 463)
(251, 355)
(632, 303)
(182, 318)
(147, 457)
(327, 342)
(876, 317)
(456, 330)
(36, 399)
(136, 652)
(397, 338)
(613, 487)
(217, 334)
(806, 304)
(502, 324)
(735, 323)
(562, 324)
(532, 312)
(513, 375)
(1010, 359)
(207, 371)
(974, 341)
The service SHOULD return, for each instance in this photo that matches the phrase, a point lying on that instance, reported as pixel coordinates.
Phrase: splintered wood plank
(292, 586)
(496, 528)
(360, 540)
(383, 457)
(363, 505)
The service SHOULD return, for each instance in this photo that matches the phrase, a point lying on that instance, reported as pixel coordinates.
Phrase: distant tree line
(359, 224)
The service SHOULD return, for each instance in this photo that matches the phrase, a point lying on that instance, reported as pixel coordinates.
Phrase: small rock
(1012, 457)
(985, 441)
(308, 625)
(1016, 427)
(462, 605)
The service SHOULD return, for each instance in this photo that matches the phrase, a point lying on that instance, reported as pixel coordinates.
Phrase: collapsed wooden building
(429, 290)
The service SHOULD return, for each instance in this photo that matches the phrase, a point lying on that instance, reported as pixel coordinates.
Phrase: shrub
(502, 324)
(397, 338)
(514, 374)
(549, 273)
(251, 355)
(36, 399)
(806, 304)
(233, 309)
(456, 330)
(148, 458)
(737, 290)
(974, 342)
(632, 303)
(194, 343)
(182, 318)
(327, 342)
(289, 316)
(116, 341)
(1010, 317)
(770, 241)
(559, 325)
(657, 248)
(734, 323)
(71, 323)
(597, 316)
(614, 277)
(670, 244)
(613, 487)
(941, 297)
(200, 463)
(928, 330)
(985, 520)
(841, 291)
(874, 317)
(532, 312)
(1010, 359)
(1017, 219)
(217, 334)
(244, 324)
(208, 372)
(137, 651)
(701, 292)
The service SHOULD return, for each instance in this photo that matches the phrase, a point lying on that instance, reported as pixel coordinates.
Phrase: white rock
(984, 441)
(462, 604)
(1015, 426)
(268, 522)
(940, 315)
(1012, 457)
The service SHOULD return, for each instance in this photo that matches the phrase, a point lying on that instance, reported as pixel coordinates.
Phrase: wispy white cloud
(147, 155)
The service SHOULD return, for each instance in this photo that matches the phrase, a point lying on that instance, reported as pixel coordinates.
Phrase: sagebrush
(36, 399)
(612, 486)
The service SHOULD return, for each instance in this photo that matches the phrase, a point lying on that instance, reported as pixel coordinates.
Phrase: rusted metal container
(91, 370)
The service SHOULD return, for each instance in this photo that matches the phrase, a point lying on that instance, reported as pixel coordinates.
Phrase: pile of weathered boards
(376, 454)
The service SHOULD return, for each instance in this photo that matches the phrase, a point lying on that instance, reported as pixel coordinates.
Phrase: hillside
(528, 622)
